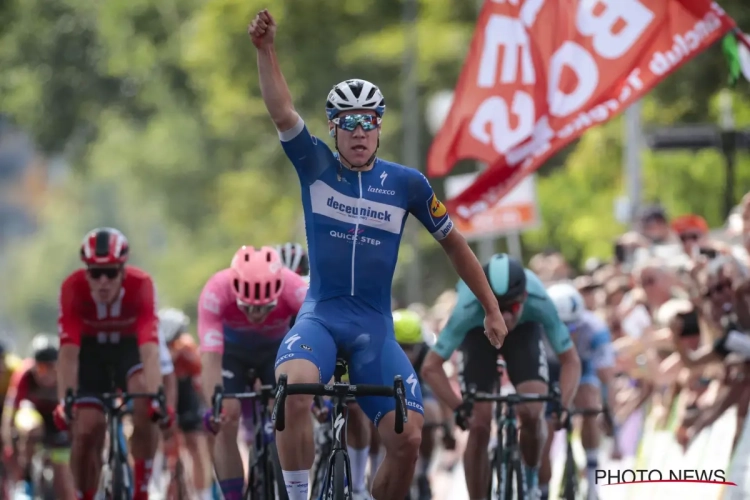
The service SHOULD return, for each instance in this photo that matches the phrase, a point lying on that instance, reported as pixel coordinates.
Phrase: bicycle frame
(115, 406)
(260, 459)
(569, 481)
(339, 392)
(507, 450)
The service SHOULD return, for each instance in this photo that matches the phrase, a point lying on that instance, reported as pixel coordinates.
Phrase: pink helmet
(258, 278)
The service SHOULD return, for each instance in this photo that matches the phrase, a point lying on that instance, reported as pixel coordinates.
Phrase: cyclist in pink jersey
(244, 312)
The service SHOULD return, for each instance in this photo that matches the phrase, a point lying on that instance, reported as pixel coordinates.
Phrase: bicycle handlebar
(472, 396)
(341, 390)
(265, 393)
(71, 398)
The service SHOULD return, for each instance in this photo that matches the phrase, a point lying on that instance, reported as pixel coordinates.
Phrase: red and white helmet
(104, 246)
(258, 279)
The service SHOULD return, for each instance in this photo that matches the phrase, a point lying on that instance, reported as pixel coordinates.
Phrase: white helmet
(568, 302)
(354, 94)
(172, 322)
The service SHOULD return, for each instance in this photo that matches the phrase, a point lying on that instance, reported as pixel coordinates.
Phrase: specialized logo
(356, 238)
(412, 381)
(389, 192)
(437, 209)
(338, 425)
(328, 202)
(361, 212)
(382, 178)
(291, 340)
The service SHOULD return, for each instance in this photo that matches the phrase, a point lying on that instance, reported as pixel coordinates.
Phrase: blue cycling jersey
(354, 220)
(594, 344)
(469, 314)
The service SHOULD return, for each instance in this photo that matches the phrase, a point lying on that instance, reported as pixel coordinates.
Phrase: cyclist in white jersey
(594, 344)
(355, 209)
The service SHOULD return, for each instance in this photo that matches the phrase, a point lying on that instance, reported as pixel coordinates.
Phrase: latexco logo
(635, 476)
(389, 192)
(363, 212)
(357, 238)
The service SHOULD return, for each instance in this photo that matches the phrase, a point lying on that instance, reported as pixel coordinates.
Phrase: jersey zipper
(356, 228)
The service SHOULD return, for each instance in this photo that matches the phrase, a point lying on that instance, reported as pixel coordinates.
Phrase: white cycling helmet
(354, 94)
(568, 302)
(172, 322)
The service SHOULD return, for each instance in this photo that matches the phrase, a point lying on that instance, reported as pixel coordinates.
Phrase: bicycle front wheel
(339, 477)
(274, 476)
(570, 476)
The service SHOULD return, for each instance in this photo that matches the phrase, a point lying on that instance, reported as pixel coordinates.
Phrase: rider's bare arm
(151, 366)
(435, 377)
(469, 269)
(570, 375)
(67, 369)
(211, 373)
(275, 91)
(169, 382)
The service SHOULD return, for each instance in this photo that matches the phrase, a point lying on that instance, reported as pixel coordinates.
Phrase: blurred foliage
(155, 106)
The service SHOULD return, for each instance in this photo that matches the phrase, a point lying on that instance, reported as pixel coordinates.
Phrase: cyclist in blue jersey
(355, 207)
(593, 341)
(530, 315)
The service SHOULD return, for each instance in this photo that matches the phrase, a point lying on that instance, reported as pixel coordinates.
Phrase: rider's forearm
(275, 91)
(470, 270)
(570, 376)
(9, 414)
(67, 369)
(151, 366)
(434, 376)
(210, 373)
(170, 389)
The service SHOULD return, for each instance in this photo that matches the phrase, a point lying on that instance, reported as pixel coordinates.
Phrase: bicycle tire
(119, 487)
(507, 465)
(570, 476)
(277, 477)
(521, 487)
(339, 476)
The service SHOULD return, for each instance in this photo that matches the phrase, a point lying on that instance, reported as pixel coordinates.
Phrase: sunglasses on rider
(351, 122)
(511, 307)
(97, 272)
(256, 310)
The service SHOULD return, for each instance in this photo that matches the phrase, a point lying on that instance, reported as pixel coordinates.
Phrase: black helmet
(507, 277)
(44, 348)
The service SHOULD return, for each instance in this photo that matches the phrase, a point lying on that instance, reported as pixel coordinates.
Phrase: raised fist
(262, 30)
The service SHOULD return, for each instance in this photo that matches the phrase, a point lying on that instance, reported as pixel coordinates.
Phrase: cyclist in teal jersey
(355, 208)
(530, 315)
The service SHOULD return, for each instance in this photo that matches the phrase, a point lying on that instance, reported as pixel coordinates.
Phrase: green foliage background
(154, 105)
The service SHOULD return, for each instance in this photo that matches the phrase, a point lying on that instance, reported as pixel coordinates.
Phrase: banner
(516, 212)
(539, 73)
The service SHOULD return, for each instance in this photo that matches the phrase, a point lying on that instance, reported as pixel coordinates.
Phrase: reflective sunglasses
(256, 310)
(511, 307)
(351, 122)
(97, 272)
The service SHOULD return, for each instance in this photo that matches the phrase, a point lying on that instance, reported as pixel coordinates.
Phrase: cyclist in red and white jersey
(108, 335)
(244, 312)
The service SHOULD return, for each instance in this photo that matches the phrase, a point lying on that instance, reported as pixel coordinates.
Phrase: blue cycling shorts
(365, 339)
